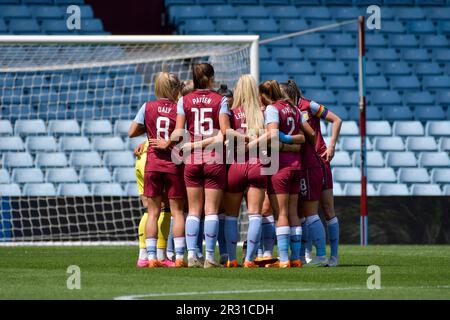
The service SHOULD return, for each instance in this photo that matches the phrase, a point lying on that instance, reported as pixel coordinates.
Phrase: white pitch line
(198, 293)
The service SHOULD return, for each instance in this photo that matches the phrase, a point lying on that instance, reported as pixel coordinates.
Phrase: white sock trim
(269, 219)
(254, 217)
(296, 231)
(179, 242)
(332, 221)
(151, 242)
(283, 230)
(212, 217)
(311, 219)
(193, 218)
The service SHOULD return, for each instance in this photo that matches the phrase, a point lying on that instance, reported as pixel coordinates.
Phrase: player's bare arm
(335, 131)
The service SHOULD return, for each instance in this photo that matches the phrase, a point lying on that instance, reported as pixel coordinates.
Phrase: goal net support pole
(362, 128)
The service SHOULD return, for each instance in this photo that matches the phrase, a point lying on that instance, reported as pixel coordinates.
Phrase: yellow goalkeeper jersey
(140, 169)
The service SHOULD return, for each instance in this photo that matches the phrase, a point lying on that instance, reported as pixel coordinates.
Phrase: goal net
(87, 78)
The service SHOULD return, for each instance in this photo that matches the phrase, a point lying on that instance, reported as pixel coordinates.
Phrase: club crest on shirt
(305, 115)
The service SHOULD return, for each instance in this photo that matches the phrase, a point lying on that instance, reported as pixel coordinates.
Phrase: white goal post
(84, 78)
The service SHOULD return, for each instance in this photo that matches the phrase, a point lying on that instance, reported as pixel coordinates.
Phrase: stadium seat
(346, 54)
(408, 128)
(425, 190)
(395, 68)
(51, 26)
(443, 97)
(221, 11)
(271, 67)
(296, 67)
(252, 12)
(68, 144)
(386, 97)
(427, 68)
(51, 160)
(10, 190)
(340, 40)
(36, 144)
(39, 189)
(435, 41)
(331, 68)
(384, 54)
(419, 98)
(376, 82)
(348, 98)
(341, 159)
(131, 190)
(3, 27)
(397, 113)
(419, 27)
(96, 127)
(63, 127)
(444, 144)
(348, 128)
(434, 159)
(29, 127)
(124, 175)
(405, 82)
(337, 189)
(17, 160)
(4, 176)
(441, 176)
(426, 113)
(375, 40)
(381, 175)
(347, 175)
(421, 144)
(11, 144)
(27, 175)
(410, 13)
(385, 144)
(372, 114)
(413, 175)
(24, 26)
(181, 13)
(279, 43)
(324, 97)
(85, 159)
(198, 27)
(134, 142)
(314, 53)
(286, 53)
(378, 128)
(354, 189)
(436, 13)
(392, 189)
(94, 175)
(309, 81)
(442, 55)
(107, 189)
(15, 11)
(262, 25)
(48, 12)
(5, 128)
(373, 159)
(121, 127)
(61, 175)
(354, 144)
(403, 41)
(393, 27)
(437, 82)
(102, 144)
(315, 13)
(371, 68)
(73, 189)
(401, 159)
(118, 159)
(231, 26)
(341, 82)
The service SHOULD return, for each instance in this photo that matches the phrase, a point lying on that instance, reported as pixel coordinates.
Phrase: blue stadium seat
(392, 189)
(340, 40)
(48, 12)
(414, 55)
(378, 128)
(38, 1)
(308, 40)
(375, 40)
(296, 67)
(36, 144)
(417, 27)
(292, 53)
(4, 176)
(373, 159)
(443, 97)
(401, 159)
(405, 82)
(124, 175)
(309, 81)
(102, 144)
(425, 190)
(427, 68)
(411, 13)
(446, 190)
(27, 175)
(376, 82)
(96, 127)
(322, 96)
(315, 13)
(276, 77)
(306, 2)
(337, 189)
(441, 176)
(24, 26)
(279, 43)
(372, 114)
(271, 67)
(121, 127)
(444, 144)
(10, 190)
(221, 11)
(231, 26)
(444, 27)
(107, 189)
(252, 12)
(292, 25)
(73, 189)
(55, 27)
(438, 128)
(436, 13)
(354, 189)
(204, 26)
(342, 159)
(381, 175)
(413, 175)
(14, 11)
(371, 68)
(408, 128)
(346, 54)
(118, 159)
(262, 25)
(347, 175)
(131, 190)
(331, 68)
(385, 54)
(179, 13)
(348, 97)
(91, 26)
(94, 175)
(435, 41)
(349, 128)
(385, 97)
(284, 12)
(425, 113)
(354, 144)
(174, 2)
(419, 98)
(85, 159)
(11, 144)
(3, 27)
(134, 142)
(61, 175)
(388, 144)
(395, 113)
(29, 127)
(39, 189)
(393, 27)
(68, 144)
(86, 11)
(341, 82)
(51, 160)
(434, 159)
(437, 82)
(346, 13)
(421, 144)
(17, 160)
(395, 68)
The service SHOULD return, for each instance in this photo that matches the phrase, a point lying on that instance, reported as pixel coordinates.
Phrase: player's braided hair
(202, 73)
(291, 91)
(271, 89)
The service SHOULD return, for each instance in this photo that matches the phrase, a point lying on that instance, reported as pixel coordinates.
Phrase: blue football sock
(253, 235)
(221, 236)
(296, 242)
(305, 237)
(333, 232)
(211, 231)
(268, 234)
(150, 244)
(170, 245)
(317, 234)
(283, 234)
(231, 236)
(191, 230)
(201, 229)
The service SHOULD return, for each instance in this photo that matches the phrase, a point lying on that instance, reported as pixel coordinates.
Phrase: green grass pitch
(407, 272)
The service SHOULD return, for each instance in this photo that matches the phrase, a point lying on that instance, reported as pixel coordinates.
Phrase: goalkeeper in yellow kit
(164, 218)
